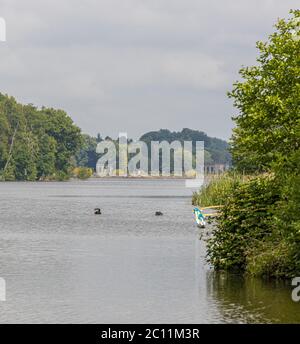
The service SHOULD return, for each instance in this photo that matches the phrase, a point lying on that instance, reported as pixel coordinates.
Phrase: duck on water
(97, 211)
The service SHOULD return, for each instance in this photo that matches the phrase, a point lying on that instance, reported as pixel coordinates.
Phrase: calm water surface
(63, 264)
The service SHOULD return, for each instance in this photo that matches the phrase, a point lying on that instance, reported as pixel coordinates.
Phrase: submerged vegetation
(258, 230)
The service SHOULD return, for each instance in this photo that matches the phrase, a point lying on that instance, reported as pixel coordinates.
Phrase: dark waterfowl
(97, 211)
(158, 213)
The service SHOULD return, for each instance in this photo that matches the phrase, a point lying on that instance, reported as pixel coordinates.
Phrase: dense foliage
(246, 219)
(82, 172)
(268, 100)
(87, 156)
(35, 143)
(216, 149)
(259, 227)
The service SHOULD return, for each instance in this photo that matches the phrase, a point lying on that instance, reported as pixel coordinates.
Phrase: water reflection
(252, 300)
(63, 264)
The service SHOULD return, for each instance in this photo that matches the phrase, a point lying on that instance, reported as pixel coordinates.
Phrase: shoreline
(104, 178)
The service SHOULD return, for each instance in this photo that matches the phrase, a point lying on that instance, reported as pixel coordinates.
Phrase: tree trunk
(11, 147)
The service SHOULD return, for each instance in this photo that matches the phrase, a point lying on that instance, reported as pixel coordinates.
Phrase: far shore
(72, 179)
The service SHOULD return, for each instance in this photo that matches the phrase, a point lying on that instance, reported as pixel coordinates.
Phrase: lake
(63, 264)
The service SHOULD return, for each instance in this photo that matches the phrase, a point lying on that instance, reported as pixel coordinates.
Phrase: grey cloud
(134, 65)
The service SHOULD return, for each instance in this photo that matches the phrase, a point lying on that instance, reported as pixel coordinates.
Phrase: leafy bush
(246, 219)
(258, 230)
(82, 172)
(274, 258)
(59, 176)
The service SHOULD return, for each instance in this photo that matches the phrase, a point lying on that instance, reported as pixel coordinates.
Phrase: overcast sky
(134, 65)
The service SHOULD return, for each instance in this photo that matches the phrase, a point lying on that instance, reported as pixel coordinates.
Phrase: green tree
(87, 155)
(67, 136)
(35, 143)
(268, 100)
(259, 227)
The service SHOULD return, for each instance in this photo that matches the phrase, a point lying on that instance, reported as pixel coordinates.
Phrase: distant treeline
(216, 150)
(45, 144)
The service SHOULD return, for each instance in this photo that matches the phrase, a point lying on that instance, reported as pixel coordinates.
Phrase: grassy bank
(217, 189)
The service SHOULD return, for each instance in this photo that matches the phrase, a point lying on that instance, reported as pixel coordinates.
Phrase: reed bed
(217, 189)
